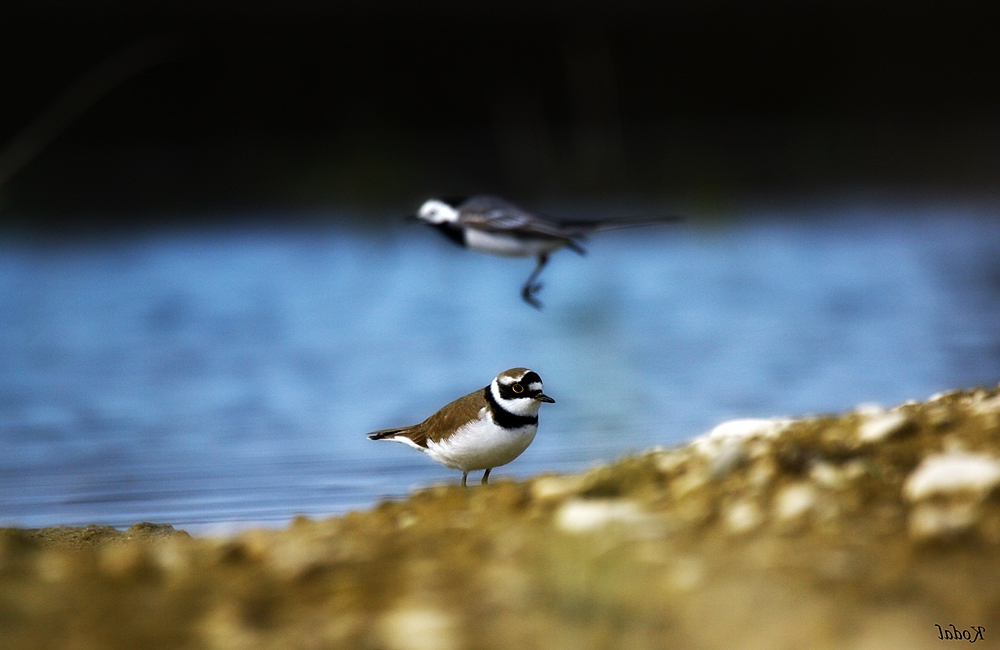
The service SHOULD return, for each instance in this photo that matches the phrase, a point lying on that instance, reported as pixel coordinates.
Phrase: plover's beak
(545, 398)
(411, 217)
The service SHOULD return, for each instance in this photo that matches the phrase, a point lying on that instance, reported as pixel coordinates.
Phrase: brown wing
(443, 422)
(449, 418)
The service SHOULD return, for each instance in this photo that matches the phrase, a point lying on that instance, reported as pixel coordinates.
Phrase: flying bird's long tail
(582, 227)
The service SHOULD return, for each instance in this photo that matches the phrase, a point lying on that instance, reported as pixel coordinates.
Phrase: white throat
(435, 211)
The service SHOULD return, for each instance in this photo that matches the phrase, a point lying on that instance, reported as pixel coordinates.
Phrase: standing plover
(491, 225)
(485, 429)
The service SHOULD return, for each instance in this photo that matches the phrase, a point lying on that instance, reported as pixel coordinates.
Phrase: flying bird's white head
(435, 212)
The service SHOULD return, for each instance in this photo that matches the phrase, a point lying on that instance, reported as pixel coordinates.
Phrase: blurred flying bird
(491, 225)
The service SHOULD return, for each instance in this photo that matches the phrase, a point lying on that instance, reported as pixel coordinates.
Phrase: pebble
(932, 521)
(830, 476)
(882, 426)
(794, 501)
(950, 473)
(742, 517)
(987, 406)
(739, 430)
(419, 628)
(550, 488)
(583, 516)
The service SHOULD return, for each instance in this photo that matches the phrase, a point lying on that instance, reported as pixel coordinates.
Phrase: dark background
(214, 107)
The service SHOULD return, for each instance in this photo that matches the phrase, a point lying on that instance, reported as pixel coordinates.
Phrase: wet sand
(872, 529)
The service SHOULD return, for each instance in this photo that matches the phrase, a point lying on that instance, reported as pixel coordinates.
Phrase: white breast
(481, 444)
(503, 243)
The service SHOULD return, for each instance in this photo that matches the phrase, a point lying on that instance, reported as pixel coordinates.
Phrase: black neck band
(505, 418)
(452, 231)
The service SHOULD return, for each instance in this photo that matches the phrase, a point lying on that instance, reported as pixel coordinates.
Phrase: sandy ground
(874, 529)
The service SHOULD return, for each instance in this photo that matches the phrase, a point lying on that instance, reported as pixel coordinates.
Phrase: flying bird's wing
(493, 213)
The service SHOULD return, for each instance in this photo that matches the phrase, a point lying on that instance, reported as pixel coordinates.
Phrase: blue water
(229, 375)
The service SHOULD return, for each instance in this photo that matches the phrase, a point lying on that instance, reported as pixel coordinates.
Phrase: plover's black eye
(517, 388)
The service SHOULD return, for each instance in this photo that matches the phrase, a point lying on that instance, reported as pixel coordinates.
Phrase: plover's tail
(413, 436)
(387, 433)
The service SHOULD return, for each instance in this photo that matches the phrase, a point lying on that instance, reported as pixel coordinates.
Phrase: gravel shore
(878, 528)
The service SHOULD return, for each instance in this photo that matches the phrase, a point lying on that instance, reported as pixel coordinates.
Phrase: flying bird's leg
(486, 476)
(529, 289)
(465, 475)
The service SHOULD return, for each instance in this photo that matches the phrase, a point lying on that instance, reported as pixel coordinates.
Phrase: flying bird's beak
(411, 217)
(545, 398)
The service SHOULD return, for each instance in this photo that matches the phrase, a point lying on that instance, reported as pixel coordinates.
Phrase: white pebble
(950, 473)
(419, 628)
(988, 406)
(869, 409)
(582, 516)
(882, 425)
(734, 432)
(742, 517)
(827, 475)
(749, 428)
(795, 501)
(555, 487)
(928, 521)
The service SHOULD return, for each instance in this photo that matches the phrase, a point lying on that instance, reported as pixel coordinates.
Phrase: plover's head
(435, 212)
(519, 391)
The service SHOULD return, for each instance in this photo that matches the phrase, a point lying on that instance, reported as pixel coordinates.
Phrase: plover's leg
(486, 476)
(529, 289)
(464, 476)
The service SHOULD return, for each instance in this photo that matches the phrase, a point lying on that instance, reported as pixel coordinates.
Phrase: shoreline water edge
(875, 528)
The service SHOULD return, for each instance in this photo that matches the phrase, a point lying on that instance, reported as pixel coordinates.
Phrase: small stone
(419, 628)
(831, 476)
(869, 409)
(730, 457)
(406, 520)
(584, 516)
(742, 517)
(882, 426)
(989, 406)
(794, 501)
(737, 431)
(827, 475)
(936, 521)
(950, 473)
(553, 488)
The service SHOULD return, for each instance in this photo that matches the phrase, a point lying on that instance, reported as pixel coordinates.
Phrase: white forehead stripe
(535, 385)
